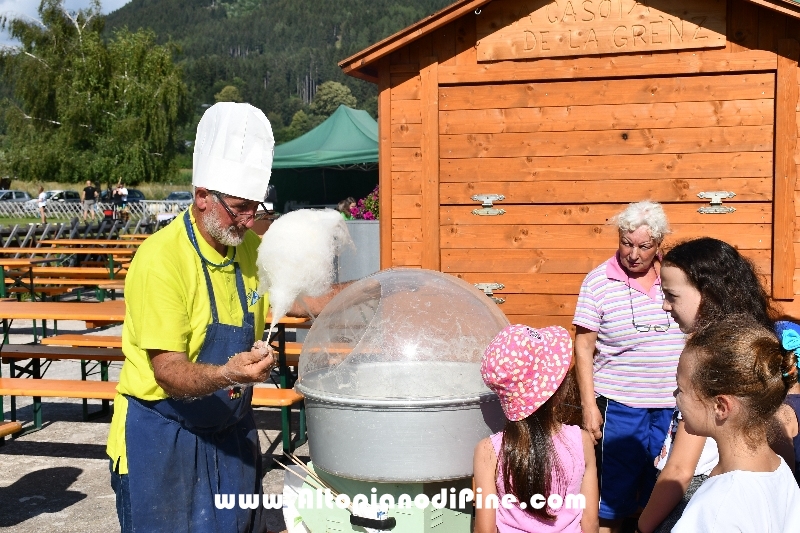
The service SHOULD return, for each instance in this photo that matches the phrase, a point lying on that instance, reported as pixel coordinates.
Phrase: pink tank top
(568, 444)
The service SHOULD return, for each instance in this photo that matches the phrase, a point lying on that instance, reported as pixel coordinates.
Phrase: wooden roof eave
(786, 7)
(357, 64)
(362, 64)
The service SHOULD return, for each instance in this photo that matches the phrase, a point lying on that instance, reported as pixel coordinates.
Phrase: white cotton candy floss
(296, 257)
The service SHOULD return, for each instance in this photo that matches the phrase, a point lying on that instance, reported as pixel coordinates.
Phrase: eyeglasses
(241, 217)
(644, 328)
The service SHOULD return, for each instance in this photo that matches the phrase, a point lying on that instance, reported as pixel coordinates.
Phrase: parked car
(180, 196)
(14, 196)
(65, 196)
(57, 195)
(179, 199)
(134, 196)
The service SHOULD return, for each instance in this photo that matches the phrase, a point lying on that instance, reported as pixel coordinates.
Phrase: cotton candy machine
(391, 376)
(390, 372)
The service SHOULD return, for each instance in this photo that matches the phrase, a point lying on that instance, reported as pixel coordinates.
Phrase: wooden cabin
(511, 130)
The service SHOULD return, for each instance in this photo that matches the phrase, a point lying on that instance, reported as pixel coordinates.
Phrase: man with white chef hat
(183, 428)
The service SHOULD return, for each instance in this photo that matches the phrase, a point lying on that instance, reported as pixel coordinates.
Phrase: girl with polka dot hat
(539, 473)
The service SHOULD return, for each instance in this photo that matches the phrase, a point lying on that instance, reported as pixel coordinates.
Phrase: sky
(27, 8)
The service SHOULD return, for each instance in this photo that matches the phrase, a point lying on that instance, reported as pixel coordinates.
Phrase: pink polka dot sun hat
(525, 367)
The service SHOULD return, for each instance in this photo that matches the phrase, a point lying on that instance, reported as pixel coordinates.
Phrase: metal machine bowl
(399, 440)
(391, 376)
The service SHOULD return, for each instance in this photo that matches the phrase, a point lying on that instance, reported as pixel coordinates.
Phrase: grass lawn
(28, 220)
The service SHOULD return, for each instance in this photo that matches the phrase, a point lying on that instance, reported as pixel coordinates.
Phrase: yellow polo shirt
(167, 308)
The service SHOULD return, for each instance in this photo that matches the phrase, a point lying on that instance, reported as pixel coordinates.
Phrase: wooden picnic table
(22, 265)
(118, 251)
(89, 242)
(135, 236)
(108, 311)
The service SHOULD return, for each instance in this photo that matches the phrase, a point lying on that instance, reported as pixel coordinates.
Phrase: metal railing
(69, 210)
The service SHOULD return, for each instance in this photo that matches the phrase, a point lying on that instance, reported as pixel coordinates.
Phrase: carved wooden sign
(519, 29)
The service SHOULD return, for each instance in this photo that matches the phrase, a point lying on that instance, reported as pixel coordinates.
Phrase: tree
(229, 93)
(85, 109)
(330, 95)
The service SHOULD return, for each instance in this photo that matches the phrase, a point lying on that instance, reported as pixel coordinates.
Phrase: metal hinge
(488, 209)
(716, 198)
(487, 289)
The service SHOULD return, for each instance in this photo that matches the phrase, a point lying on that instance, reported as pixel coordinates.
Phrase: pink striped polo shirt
(631, 367)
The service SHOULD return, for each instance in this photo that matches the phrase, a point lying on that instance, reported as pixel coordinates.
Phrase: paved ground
(57, 479)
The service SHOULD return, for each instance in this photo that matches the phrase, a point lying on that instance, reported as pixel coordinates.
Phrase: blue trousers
(632, 438)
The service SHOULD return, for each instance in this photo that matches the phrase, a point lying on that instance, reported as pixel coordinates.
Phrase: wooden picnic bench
(92, 360)
(112, 243)
(81, 340)
(106, 390)
(9, 427)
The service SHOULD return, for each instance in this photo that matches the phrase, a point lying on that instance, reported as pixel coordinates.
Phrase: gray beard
(227, 235)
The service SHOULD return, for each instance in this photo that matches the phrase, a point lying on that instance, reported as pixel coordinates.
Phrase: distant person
(346, 208)
(42, 204)
(89, 200)
(123, 193)
(117, 198)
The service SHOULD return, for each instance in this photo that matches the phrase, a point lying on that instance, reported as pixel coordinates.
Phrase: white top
(747, 502)
(709, 457)
(42, 199)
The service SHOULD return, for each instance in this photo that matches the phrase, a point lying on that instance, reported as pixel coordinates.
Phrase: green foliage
(83, 108)
(240, 8)
(277, 50)
(330, 95)
(229, 93)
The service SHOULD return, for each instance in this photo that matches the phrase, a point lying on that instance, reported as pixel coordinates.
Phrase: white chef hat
(233, 151)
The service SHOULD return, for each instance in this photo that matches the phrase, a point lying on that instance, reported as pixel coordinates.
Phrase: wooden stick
(311, 473)
(305, 480)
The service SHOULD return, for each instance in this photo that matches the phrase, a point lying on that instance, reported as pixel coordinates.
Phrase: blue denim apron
(181, 453)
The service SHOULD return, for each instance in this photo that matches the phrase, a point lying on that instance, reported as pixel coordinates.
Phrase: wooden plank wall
(414, 150)
(584, 159)
(448, 57)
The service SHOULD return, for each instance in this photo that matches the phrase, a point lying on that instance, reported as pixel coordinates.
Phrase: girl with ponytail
(732, 378)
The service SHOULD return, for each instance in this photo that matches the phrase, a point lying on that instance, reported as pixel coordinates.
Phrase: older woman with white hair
(627, 352)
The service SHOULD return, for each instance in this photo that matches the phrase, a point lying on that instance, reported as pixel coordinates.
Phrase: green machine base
(322, 518)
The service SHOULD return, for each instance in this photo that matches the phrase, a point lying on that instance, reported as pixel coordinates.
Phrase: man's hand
(250, 367)
(181, 378)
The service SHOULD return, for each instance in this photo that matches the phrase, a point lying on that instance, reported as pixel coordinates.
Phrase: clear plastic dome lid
(400, 334)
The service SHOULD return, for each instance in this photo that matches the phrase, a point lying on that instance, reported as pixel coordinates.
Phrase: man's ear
(201, 198)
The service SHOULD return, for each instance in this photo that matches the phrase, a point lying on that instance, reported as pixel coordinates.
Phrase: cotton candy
(296, 257)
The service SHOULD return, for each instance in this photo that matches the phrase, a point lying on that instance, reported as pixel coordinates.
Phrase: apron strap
(239, 279)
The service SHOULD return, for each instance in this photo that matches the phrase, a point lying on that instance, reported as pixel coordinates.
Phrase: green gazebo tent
(335, 160)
